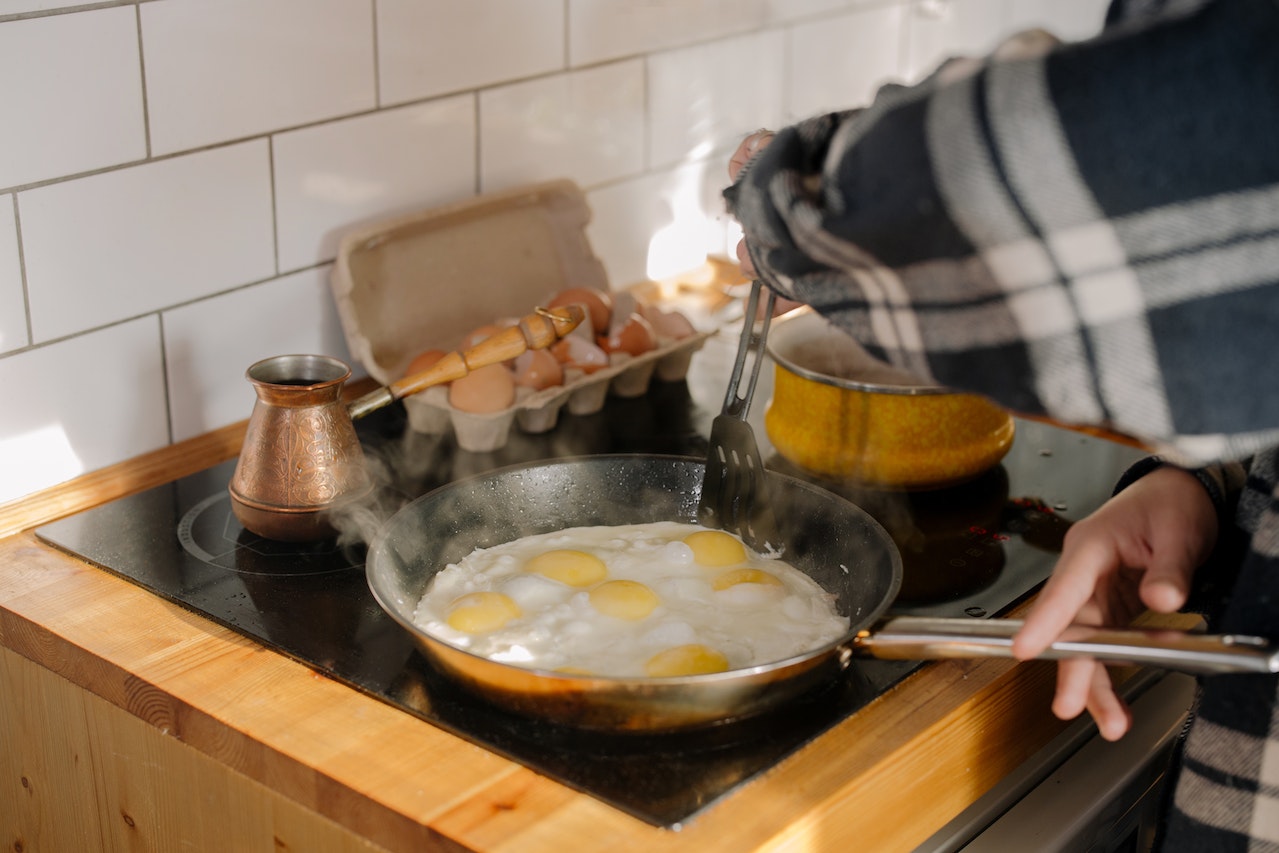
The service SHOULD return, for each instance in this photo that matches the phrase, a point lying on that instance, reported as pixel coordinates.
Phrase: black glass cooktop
(972, 550)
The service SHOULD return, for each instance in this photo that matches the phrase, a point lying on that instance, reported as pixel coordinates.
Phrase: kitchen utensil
(301, 458)
(734, 493)
(837, 412)
(835, 542)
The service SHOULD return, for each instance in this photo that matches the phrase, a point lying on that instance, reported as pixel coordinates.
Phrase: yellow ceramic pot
(838, 412)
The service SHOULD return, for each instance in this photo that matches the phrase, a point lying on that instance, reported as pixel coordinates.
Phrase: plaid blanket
(1088, 231)
(1091, 232)
(1226, 794)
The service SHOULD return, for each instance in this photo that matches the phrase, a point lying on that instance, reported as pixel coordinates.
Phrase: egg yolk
(692, 659)
(629, 600)
(574, 568)
(738, 576)
(480, 612)
(715, 548)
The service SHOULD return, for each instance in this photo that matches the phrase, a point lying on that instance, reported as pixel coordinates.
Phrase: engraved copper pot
(301, 454)
(301, 457)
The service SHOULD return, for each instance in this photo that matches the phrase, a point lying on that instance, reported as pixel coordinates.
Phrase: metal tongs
(735, 487)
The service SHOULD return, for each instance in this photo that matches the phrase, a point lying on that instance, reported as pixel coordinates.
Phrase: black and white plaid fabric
(1089, 231)
(1226, 795)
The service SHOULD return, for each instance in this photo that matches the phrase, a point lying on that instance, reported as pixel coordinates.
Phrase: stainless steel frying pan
(839, 545)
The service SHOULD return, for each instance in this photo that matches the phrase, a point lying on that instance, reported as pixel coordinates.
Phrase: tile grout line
(22, 274)
(142, 74)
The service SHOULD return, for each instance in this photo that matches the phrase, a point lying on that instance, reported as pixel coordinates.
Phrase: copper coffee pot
(301, 458)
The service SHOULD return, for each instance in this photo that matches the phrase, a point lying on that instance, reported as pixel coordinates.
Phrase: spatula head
(735, 488)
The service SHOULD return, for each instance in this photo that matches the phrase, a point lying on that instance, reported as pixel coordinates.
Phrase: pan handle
(927, 638)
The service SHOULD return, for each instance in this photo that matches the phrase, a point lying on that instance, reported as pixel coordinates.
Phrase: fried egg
(657, 600)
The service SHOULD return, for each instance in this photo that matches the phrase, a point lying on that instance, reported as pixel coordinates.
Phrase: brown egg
(574, 351)
(599, 304)
(667, 324)
(633, 335)
(424, 360)
(538, 369)
(485, 389)
(479, 334)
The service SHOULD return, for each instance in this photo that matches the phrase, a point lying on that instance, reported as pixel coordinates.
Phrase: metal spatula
(735, 488)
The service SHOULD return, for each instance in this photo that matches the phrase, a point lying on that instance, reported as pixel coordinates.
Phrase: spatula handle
(736, 404)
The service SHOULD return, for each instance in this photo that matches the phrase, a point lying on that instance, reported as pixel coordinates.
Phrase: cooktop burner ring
(210, 532)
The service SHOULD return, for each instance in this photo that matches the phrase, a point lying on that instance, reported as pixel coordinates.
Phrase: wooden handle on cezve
(534, 331)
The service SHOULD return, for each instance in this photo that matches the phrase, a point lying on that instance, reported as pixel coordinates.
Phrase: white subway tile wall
(431, 49)
(90, 401)
(175, 175)
(135, 240)
(226, 69)
(13, 314)
(209, 344)
(331, 177)
(671, 209)
(843, 59)
(700, 96)
(793, 10)
(71, 95)
(600, 30)
(587, 125)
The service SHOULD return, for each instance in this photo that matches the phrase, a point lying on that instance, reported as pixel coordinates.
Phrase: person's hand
(1137, 552)
(749, 147)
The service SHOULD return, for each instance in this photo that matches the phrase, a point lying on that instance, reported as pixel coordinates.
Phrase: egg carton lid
(424, 279)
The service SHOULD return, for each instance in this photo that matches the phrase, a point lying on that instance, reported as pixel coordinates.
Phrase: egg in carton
(418, 282)
(588, 373)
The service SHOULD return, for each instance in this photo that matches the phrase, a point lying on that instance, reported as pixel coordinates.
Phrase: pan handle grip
(927, 638)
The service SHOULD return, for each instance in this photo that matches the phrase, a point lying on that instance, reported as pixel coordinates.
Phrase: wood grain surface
(885, 779)
(162, 730)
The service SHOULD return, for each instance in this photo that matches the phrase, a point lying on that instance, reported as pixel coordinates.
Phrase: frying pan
(838, 544)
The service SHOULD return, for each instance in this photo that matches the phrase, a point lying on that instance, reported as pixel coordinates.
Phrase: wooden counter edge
(938, 741)
(932, 745)
(123, 478)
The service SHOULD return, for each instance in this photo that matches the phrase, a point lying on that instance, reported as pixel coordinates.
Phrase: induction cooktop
(970, 550)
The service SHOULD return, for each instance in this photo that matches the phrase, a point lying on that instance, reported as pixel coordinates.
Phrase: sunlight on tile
(681, 245)
(35, 460)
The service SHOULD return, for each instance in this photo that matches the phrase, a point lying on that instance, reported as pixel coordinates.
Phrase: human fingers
(1109, 712)
(1182, 532)
(1084, 559)
(1165, 585)
(1164, 593)
(744, 259)
(1084, 684)
(747, 149)
(1074, 681)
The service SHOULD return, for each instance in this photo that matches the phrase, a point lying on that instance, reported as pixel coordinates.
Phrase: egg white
(750, 624)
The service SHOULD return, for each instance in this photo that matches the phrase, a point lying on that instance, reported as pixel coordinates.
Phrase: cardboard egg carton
(423, 280)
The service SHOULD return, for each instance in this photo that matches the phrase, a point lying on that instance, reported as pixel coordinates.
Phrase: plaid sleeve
(1090, 233)
(1227, 789)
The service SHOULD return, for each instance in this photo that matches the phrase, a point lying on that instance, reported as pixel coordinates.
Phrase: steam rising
(359, 521)
(415, 463)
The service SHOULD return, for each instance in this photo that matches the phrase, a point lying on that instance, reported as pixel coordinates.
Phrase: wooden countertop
(884, 779)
